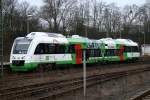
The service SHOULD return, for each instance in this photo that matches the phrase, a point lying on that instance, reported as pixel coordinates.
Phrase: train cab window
(21, 46)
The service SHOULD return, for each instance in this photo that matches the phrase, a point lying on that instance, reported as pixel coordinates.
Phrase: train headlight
(13, 57)
(23, 57)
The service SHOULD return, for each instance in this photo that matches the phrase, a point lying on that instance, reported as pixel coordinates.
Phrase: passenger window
(60, 49)
(45, 48)
(51, 49)
(71, 49)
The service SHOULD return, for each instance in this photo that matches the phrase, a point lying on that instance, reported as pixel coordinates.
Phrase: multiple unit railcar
(40, 48)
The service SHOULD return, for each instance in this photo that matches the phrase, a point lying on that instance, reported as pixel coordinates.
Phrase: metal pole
(1, 38)
(27, 24)
(28, 27)
(144, 37)
(144, 43)
(120, 35)
(84, 72)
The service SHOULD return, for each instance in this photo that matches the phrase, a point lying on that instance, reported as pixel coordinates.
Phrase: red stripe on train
(121, 53)
(78, 54)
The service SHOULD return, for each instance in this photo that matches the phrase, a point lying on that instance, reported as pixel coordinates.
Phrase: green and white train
(41, 48)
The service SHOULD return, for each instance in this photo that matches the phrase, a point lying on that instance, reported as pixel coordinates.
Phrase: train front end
(20, 56)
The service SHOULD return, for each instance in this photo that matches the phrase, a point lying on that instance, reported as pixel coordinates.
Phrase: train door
(38, 53)
(121, 53)
(131, 52)
(78, 52)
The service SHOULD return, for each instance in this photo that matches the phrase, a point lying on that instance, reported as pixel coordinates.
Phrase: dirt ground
(118, 89)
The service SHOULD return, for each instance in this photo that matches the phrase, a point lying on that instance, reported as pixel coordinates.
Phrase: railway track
(19, 76)
(16, 79)
(52, 89)
(144, 95)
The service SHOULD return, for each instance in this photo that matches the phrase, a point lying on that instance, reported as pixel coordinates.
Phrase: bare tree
(129, 16)
(54, 11)
(115, 18)
(100, 18)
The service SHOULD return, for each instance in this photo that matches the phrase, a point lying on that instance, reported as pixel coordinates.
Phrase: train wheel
(40, 68)
(49, 67)
(46, 67)
(53, 65)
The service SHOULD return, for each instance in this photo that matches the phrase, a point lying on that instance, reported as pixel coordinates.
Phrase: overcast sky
(119, 3)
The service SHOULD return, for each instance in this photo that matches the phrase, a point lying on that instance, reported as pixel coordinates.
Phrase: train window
(39, 49)
(135, 49)
(110, 52)
(60, 48)
(116, 52)
(131, 49)
(93, 53)
(71, 49)
(45, 48)
(127, 48)
(87, 53)
(100, 52)
(50, 48)
(97, 53)
(21, 46)
(106, 53)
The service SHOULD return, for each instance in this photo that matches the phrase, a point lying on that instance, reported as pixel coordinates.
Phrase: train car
(38, 49)
(78, 43)
(76, 46)
(120, 50)
(129, 50)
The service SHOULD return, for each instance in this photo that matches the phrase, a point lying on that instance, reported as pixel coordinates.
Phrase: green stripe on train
(34, 65)
(25, 67)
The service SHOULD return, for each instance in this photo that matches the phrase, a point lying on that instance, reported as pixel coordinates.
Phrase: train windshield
(21, 46)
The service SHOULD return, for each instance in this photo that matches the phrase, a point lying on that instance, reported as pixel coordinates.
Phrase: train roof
(107, 40)
(109, 43)
(45, 34)
(59, 38)
(78, 39)
(127, 42)
(45, 37)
